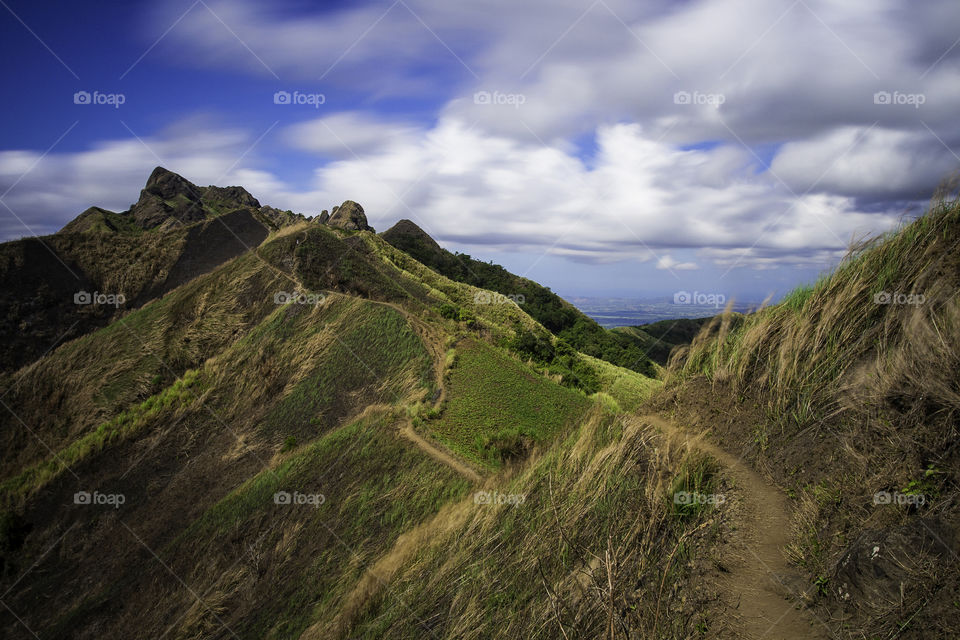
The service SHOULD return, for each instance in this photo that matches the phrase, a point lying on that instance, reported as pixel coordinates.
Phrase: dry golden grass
(595, 522)
(831, 346)
(858, 378)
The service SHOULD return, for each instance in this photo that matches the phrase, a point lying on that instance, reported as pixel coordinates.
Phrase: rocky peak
(409, 229)
(235, 197)
(168, 185)
(349, 215)
(169, 198)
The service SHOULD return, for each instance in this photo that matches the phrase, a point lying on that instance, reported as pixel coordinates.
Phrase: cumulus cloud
(744, 133)
(667, 262)
(639, 199)
(866, 162)
(349, 134)
(785, 68)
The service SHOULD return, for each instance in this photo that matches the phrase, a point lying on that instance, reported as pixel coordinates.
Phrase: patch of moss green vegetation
(496, 408)
(328, 259)
(627, 388)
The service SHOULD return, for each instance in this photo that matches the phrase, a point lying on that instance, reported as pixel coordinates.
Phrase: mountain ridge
(317, 434)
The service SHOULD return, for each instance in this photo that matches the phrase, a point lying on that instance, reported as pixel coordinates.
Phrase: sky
(603, 148)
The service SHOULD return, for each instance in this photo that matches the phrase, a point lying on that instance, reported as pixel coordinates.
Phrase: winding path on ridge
(434, 345)
(754, 584)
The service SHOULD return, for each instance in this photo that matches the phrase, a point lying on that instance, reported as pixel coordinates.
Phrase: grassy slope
(658, 339)
(547, 308)
(849, 397)
(497, 409)
(199, 406)
(594, 512)
(91, 380)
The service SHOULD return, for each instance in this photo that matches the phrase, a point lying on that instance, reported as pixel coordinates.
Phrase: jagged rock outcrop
(349, 215)
(278, 218)
(167, 199)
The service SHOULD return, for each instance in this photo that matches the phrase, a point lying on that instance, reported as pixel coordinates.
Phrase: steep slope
(555, 314)
(846, 395)
(659, 339)
(176, 231)
(284, 440)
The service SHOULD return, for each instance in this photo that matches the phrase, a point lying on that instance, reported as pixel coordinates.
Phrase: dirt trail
(434, 344)
(438, 454)
(758, 583)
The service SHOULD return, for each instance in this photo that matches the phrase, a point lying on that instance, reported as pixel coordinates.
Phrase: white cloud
(666, 262)
(866, 162)
(47, 194)
(640, 198)
(349, 134)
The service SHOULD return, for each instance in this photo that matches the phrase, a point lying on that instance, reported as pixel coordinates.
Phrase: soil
(758, 586)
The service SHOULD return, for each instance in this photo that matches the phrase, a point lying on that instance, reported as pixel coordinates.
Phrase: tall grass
(593, 550)
(837, 337)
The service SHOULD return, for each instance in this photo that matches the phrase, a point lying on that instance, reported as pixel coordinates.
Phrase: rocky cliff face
(349, 215)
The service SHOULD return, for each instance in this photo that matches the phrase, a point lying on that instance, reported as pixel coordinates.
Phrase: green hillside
(322, 436)
(557, 315)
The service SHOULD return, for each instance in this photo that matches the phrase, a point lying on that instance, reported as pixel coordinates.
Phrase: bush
(448, 311)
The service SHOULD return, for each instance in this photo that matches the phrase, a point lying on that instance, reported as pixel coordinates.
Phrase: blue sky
(604, 148)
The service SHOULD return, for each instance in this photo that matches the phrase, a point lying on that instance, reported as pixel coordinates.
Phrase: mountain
(557, 315)
(175, 232)
(322, 435)
(166, 200)
(272, 427)
(659, 339)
